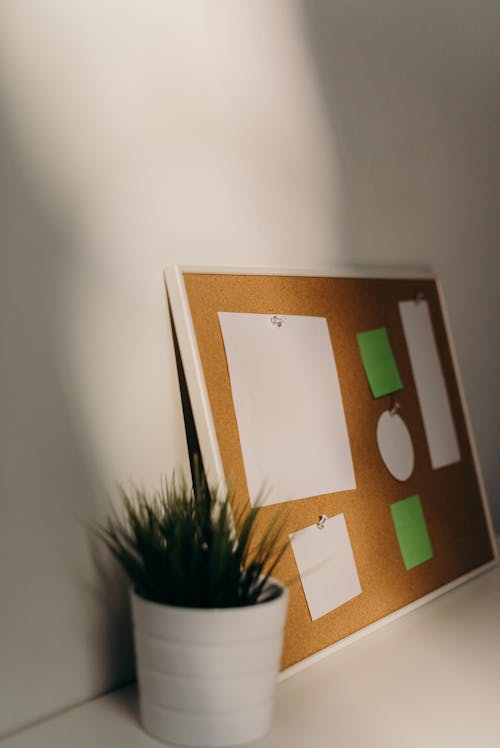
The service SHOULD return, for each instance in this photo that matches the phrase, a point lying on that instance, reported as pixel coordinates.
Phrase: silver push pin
(278, 321)
(320, 524)
(395, 406)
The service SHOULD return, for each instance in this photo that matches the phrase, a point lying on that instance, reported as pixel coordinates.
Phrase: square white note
(326, 565)
(288, 406)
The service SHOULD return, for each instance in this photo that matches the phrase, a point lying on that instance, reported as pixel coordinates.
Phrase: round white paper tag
(395, 445)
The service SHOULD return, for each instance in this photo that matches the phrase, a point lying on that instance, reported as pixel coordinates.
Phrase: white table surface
(430, 679)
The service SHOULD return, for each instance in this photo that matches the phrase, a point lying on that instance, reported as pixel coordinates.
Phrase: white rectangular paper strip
(430, 383)
(326, 565)
(288, 406)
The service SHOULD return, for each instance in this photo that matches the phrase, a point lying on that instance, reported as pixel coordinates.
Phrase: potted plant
(208, 618)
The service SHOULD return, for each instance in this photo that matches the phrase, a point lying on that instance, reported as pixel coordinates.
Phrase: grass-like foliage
(180, 546)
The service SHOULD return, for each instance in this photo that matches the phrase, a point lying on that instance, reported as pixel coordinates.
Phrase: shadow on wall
(412, 94)
(62, 613)
(413, 101)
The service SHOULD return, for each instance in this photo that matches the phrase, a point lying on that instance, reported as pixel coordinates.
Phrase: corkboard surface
(451, 496)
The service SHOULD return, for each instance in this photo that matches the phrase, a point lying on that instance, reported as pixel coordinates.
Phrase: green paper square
(379, 362)
(411, 531)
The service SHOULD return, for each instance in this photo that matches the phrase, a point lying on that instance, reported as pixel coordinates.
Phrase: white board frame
(205, 428)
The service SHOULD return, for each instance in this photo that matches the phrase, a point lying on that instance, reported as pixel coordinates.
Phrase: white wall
(136, 135)
(140, 135)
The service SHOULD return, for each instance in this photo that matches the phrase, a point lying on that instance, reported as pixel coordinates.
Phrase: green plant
(180, 546)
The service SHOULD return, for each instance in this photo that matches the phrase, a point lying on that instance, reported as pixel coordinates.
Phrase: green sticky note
(379, 362)
(411, 531)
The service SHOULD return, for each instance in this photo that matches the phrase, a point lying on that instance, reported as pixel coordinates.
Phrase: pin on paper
(278, 321)
(419, 297)
(395, 406)
(320, 524)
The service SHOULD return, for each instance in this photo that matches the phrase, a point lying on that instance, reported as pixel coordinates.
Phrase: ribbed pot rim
(272, 581)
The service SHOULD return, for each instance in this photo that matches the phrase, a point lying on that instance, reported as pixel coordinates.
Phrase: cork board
(452, 497)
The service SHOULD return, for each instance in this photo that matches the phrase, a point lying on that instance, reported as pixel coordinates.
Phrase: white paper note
(430, 383)
(326, 566)
(395, 445)
(288, 406)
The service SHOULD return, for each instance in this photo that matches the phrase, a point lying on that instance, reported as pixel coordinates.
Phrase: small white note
(288, 406)
(326, 565)
(430, 383)
(395, 445)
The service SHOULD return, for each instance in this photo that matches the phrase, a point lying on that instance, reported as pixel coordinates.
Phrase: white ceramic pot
(207, 676)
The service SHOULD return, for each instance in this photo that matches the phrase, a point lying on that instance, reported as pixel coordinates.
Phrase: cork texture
(450, 496)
